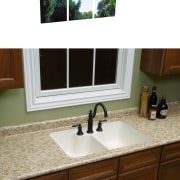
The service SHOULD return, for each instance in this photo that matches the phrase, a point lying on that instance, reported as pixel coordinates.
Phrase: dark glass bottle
(162, 109)
(153, 97)
(152, 104)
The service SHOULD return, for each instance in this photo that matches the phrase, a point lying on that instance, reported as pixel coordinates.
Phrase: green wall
(13, 105)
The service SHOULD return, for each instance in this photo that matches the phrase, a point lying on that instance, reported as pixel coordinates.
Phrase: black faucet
(93, 114)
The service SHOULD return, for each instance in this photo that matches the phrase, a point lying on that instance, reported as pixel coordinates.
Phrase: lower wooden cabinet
(170, 170)
(170, 162)
(142, 165)
(111, 178)
(146, 173)
(63, 175)
(102, 170)
(161, 163)
(139, 159)
(105, 170)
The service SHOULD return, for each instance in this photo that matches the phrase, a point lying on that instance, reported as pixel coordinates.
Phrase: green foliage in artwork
(56, 10)
(113, 2)
(74, 13)
(87, 15)
(106, 8)
(53, 10)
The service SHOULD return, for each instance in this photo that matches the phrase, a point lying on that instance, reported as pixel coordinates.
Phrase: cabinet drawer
(145, 173)
(54, 176)
(170, 151)
(139, 159)
(99, 170)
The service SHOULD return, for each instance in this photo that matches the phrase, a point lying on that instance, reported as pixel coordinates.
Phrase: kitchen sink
(119, 134)
(76, 146)
(116, 134)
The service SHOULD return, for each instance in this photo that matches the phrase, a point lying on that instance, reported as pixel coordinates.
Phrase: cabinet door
(171, 151)
(170, 170)
(63, 175)
(139, 159)
(104, 170)
(152, 61)
(172, 61)
(160, 61)
(11, 70)
(146, 173)
(170, 162)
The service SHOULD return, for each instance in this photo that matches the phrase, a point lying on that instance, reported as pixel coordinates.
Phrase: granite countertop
(27, 150)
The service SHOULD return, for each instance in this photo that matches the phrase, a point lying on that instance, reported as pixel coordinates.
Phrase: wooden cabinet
(102, 170)
(143, 165)
(170, 162)
(63, 175)
(140, 166)
(11, 69)
(146, 173)
(105, 170)
(160, 61)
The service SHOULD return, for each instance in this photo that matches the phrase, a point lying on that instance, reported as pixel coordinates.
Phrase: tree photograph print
(68, 10)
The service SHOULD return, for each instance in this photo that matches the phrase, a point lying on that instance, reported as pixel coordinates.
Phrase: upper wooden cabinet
(11, 69)
(160, 61)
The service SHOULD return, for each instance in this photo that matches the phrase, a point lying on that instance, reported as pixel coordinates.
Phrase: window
(66, 77)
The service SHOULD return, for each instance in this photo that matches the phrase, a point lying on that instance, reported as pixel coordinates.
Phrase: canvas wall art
(69, 10)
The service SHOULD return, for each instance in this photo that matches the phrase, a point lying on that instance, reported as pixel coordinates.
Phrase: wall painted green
(13, 105)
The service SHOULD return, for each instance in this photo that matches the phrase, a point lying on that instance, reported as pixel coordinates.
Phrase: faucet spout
(103, 107)
(93, 114)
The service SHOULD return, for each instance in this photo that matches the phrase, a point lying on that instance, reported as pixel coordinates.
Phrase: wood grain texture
(145, 173)
(160, 61)
(63, 175)
(170, 170)
(11, 69)
(170, 151)
(95, 171)
(139, 159)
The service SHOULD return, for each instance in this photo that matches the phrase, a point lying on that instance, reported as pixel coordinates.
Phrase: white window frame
(71, 90)
(40, 100)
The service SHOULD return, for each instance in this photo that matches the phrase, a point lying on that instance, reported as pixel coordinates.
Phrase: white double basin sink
(114, 135)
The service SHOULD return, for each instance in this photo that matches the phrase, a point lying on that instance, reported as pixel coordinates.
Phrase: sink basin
(114, 135)
(119, 134)
(76, 146)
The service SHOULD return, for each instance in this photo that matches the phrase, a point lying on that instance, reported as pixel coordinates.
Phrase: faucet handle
(99, 128)
(80, 132)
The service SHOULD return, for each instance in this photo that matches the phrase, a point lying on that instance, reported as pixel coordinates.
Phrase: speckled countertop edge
(27, 154)
(63, 122)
